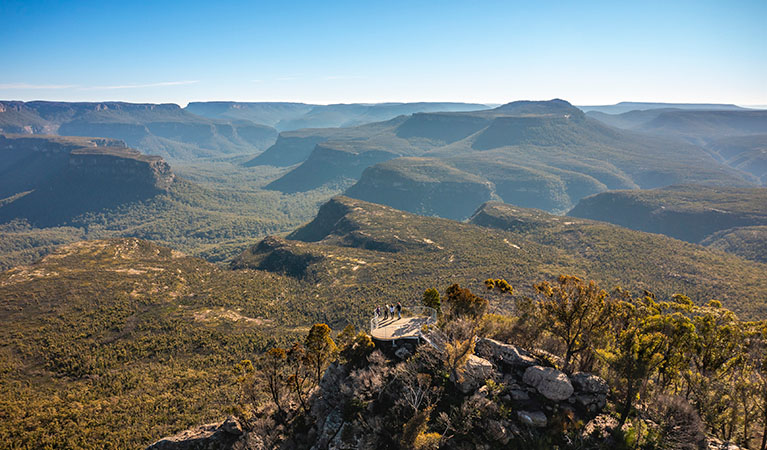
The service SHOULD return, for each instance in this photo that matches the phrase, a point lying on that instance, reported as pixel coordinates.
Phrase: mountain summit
(555, 106)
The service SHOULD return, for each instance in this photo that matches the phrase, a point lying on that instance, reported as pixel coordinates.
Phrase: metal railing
(430, 314)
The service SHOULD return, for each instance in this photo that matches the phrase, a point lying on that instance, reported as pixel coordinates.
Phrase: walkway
(409, 326)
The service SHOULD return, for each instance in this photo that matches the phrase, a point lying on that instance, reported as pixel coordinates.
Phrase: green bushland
(112, 344)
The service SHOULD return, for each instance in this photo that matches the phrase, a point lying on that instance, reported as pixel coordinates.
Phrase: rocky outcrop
(215, 436)
(539, 390)
(506, 355)
(355, 407)
(475, 373)
(549, 382)
(590, 391)
(96, 164)
(124, 166)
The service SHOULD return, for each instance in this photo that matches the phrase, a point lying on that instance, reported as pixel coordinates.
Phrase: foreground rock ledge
(223, 435)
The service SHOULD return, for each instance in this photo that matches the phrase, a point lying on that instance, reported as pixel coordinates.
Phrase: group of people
(388, 311)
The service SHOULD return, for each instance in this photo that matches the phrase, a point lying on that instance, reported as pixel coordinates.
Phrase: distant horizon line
(489, 104)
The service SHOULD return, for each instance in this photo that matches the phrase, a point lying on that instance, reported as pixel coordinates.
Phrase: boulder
(590, 391)
(214, 435)
(533, 418)
(549, 359)
(504, 354)
(588, 383)
(549, 382)
(475, 373)
(592, 403)
(519, 395)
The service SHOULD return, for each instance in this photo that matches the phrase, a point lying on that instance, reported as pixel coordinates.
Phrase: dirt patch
(209, 315)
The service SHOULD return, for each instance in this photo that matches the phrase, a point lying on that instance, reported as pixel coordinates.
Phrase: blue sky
(371, 51)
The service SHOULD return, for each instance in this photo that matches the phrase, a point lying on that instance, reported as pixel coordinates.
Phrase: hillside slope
(144, 345)
(352, 243)
(208, 223)
(689, 212)
(693, 213)
(746, 242)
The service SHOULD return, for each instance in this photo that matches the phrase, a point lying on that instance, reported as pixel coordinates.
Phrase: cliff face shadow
(50, 181)
(63, 199)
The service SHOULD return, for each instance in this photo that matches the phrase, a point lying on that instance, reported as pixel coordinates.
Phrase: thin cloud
(343, 77)
(35, 86)
(140, 86)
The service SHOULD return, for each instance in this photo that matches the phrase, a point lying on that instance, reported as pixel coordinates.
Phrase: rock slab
(504, 354)
(549, 382)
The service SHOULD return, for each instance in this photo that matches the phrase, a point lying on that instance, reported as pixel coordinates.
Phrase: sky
(587, 52)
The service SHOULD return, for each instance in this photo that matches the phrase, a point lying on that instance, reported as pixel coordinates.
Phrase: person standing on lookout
(391, 310)
(399, 310)
(386, 312)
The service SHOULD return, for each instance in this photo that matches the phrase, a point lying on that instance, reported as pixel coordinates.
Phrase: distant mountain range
(202, 129)
(623, 107)
(293, 116)
(165, 129)
(736, 137)
(547, 155)
(533, 154)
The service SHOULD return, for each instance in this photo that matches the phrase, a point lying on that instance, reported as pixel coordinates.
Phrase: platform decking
(406, 327)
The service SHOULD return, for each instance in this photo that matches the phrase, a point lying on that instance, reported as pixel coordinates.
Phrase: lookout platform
(408, 327)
